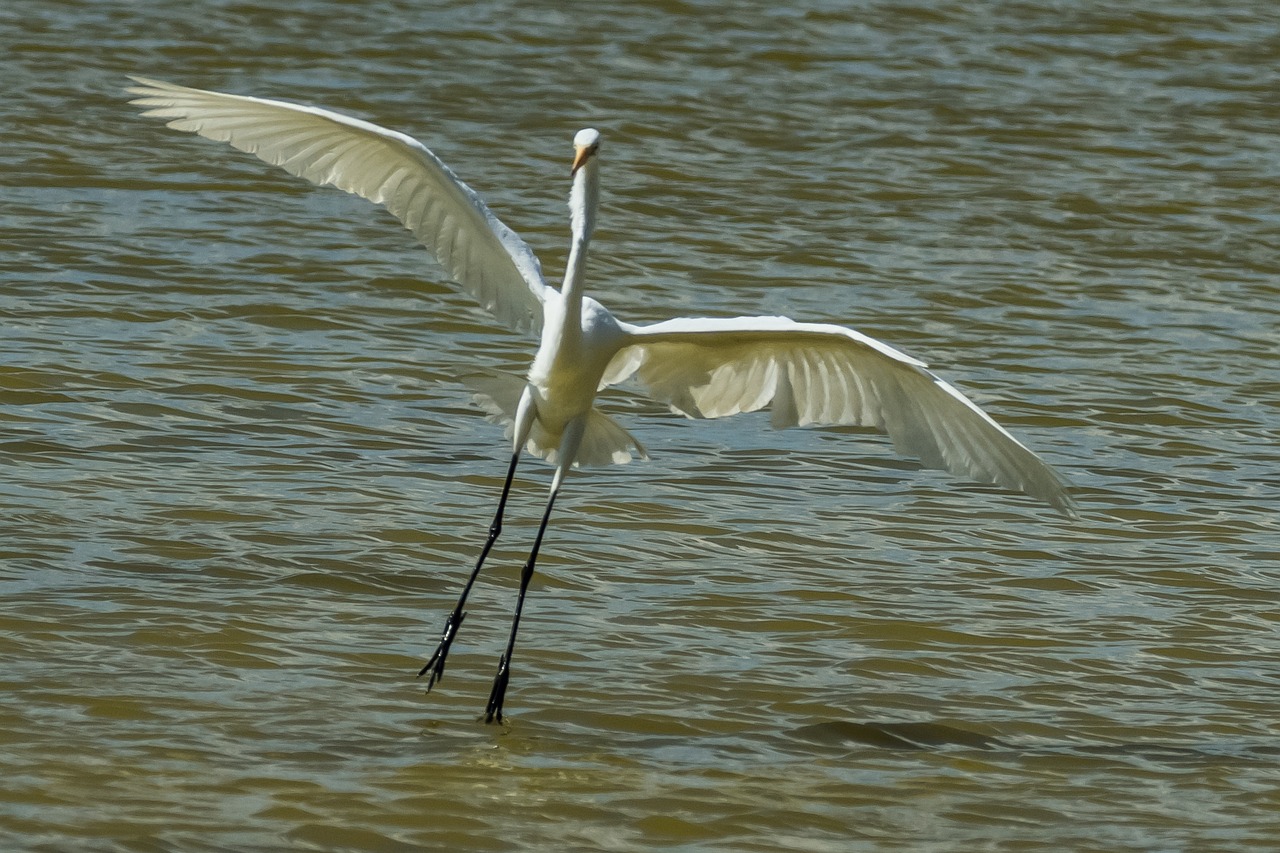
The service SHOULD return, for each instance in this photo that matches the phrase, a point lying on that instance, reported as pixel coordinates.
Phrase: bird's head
(585, 145)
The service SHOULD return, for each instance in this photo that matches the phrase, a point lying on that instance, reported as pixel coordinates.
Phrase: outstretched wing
(822, 374)
(484, 256)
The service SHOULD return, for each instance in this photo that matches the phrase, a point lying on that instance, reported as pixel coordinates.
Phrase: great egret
(809, 373)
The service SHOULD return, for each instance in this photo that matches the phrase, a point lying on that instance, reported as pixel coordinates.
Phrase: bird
(804, 372)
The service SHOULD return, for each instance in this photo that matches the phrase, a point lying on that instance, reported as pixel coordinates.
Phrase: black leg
(454, 622)
(493, 711)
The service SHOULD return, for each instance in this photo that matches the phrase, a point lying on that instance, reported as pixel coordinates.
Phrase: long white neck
(584, 198)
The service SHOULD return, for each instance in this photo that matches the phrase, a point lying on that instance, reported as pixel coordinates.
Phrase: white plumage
(807, 373)
(388, 168)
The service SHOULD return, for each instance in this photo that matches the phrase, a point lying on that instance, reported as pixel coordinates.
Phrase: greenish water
(241, 485)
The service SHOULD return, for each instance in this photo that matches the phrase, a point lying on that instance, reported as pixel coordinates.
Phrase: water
(242, 483)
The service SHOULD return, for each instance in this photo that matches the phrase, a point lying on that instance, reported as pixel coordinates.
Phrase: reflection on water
(243, 482)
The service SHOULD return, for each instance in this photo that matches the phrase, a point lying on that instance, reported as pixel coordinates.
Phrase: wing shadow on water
(844, 736)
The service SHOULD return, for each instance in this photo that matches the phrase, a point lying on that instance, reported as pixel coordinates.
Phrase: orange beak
(581, 154)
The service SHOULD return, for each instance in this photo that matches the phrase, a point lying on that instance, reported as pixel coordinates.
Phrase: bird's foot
(493, 711)
(436, 664)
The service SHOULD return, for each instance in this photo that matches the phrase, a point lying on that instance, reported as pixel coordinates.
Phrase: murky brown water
(241, 485)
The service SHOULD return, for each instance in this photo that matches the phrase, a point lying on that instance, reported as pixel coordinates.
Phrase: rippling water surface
(241, 483)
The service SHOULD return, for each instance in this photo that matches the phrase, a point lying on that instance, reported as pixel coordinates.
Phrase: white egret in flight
(807, 373)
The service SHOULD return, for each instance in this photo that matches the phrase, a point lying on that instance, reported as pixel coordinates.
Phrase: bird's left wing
(824, 374)
(389, 168)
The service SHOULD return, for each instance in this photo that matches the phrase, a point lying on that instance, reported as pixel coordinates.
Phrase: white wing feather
(823, 374)
(484, 256)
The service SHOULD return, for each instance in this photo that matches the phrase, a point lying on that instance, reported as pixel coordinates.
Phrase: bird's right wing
(386, 167)
(823, 374)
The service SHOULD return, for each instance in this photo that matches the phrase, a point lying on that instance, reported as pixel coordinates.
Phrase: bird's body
(806, 373)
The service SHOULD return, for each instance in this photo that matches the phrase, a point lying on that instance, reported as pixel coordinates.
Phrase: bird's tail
(604, 442)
